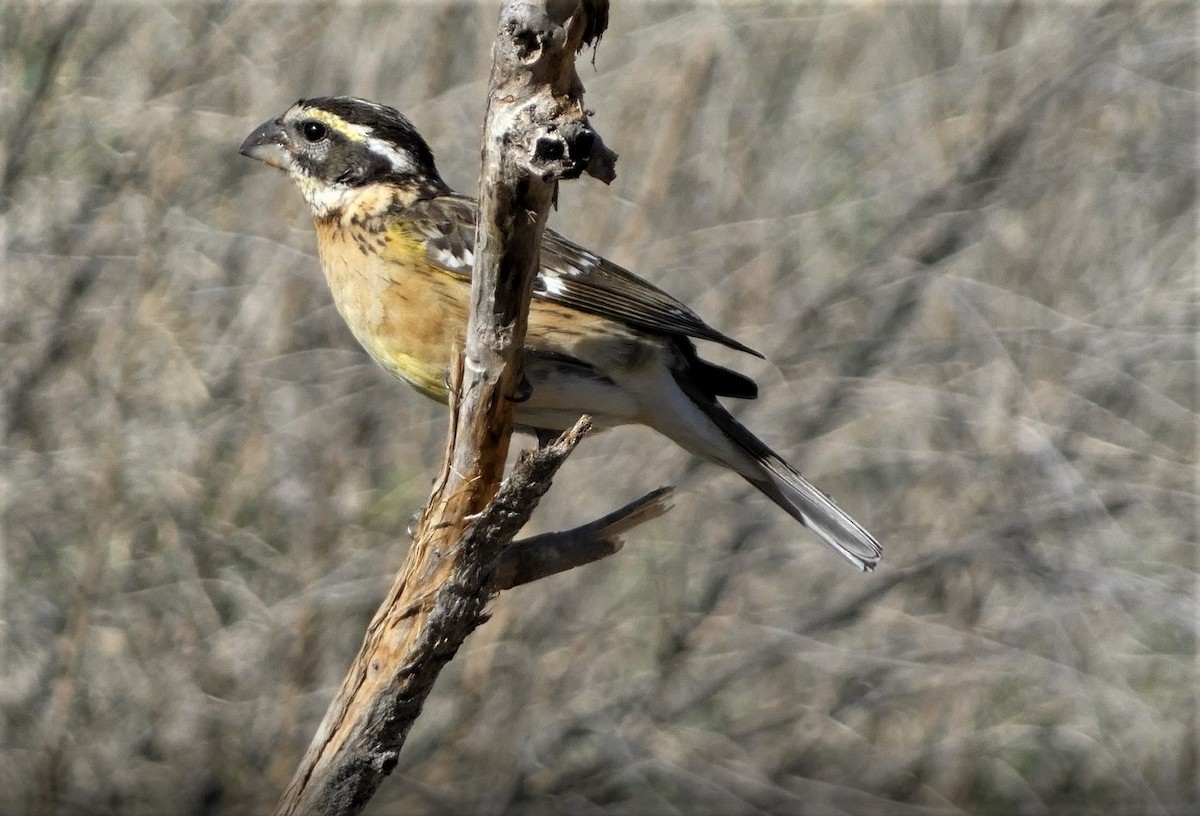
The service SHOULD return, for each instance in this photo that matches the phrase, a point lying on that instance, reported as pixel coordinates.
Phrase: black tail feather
(785, 486)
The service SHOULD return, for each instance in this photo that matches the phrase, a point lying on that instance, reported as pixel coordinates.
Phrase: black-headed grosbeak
(396, 244)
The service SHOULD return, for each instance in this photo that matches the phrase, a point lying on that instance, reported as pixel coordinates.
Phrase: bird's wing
(569, 274)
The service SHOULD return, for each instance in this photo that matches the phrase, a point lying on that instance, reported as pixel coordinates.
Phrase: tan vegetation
(964, 235)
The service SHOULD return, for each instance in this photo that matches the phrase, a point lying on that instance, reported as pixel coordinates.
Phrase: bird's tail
(704, 426)
(785, 486)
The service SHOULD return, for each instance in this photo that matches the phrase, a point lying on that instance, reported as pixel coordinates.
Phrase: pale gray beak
(268, 144)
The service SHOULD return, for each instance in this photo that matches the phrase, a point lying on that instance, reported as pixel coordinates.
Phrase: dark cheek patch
(342, 164)
(309, 167)
(353, 164)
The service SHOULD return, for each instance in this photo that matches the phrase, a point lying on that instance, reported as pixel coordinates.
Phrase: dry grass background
(965, 237)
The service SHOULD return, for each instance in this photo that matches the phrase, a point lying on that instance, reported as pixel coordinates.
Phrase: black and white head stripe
(393, 144)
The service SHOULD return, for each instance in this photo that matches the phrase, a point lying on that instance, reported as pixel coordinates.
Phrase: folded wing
(570, 274)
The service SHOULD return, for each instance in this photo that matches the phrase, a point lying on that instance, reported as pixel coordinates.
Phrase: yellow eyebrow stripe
(337, 124)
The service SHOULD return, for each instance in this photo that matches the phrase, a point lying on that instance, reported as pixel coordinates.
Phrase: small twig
(551, 553)
(520, 493)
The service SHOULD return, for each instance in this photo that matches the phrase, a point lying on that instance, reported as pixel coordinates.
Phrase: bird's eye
(314, 131)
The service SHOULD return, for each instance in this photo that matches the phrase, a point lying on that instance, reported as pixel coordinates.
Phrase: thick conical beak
(268, 144)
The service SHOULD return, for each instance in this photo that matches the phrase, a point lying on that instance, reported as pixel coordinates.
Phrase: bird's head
(334, 146)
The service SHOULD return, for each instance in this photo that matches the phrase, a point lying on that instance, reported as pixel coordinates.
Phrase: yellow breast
(410, 314)
(407, 313)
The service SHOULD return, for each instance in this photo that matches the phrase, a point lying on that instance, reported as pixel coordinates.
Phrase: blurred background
(963, 234)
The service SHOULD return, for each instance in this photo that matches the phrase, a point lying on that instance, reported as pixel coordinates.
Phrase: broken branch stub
(554, 140)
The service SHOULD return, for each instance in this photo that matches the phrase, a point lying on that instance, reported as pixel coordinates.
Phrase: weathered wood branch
(536, 132)
(551, 553)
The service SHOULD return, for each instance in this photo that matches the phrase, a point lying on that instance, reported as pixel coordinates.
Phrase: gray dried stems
(963, 234)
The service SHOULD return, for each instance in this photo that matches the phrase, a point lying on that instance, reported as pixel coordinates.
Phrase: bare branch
(551, 553)
(536, 132)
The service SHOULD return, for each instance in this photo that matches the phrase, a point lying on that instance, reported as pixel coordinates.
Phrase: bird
(396, 244)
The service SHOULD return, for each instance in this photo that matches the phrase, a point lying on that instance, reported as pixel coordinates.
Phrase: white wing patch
(551, 285)
(449, 259)
(582, 256)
